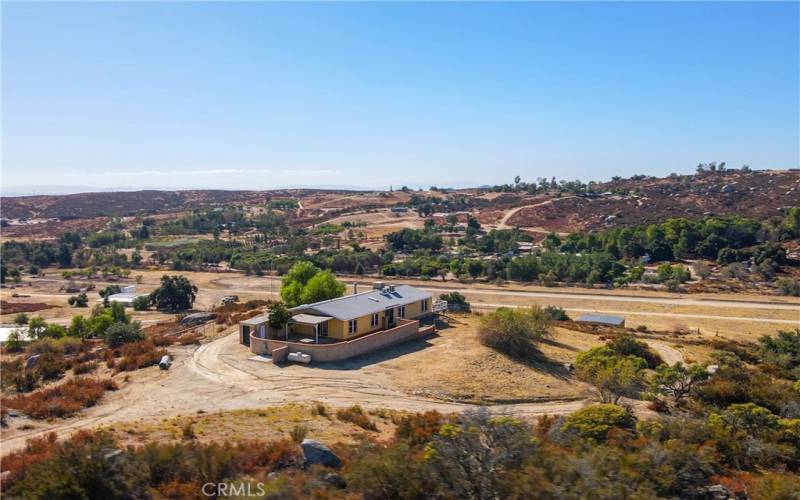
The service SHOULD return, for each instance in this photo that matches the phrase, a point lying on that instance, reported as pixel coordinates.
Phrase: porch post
(316, 332)
(286, 330)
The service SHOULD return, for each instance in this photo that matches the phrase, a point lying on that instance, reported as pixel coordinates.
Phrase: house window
(401, 312)
(352, 326)
(374, 320)
(424, 306)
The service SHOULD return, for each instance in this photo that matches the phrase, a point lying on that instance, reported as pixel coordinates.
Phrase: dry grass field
(458, 368)
(267, 424)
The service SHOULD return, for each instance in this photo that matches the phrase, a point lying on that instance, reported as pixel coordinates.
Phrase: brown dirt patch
(23, 307)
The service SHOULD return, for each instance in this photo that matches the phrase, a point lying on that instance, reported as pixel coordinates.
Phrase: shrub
(138, 355)
(89, 465)
(556, 313)
(782, 350)
(80, 300)
(50, 366)
(191, 338)
(21, 319)
(188, 431)
(614, 376)
(299, 432)
(678, 380)
(141, 303)
(419, 428)
(62, 400)
(471, 455)
(356, 415)
(455, 301)
(514, 331)
(320, 409)
(628, 345)
(82, 368)
(595, 421)
(788, 286)
(122, 333)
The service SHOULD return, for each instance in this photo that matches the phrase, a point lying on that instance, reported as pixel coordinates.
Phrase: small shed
(602, 320)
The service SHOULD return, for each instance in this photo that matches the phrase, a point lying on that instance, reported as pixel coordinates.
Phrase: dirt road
(223, 375)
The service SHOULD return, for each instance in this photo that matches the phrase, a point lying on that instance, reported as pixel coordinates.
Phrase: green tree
(123, 333)
(306, 283)
(595, 421)
(677, 381)
(614, 376)
(322, 286)
(79, 327)
(21, 319)
(515, 331)
(279, 315)
(37, 327)
(141, 303)
(176, 293)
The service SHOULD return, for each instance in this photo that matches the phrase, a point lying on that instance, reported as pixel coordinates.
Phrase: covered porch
(309, 328)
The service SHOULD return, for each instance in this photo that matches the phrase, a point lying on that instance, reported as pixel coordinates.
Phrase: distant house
(125, 297)
(601, 320)
(347, 326)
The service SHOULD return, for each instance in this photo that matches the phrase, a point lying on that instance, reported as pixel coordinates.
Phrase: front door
(390, 318)
(245, 335)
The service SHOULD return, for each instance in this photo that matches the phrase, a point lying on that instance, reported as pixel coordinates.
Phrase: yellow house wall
(414, 309)
(338, 329)
(303, 329)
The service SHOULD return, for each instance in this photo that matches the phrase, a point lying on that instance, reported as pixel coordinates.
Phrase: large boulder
(197, 318)
(31, 362)
(315, 452)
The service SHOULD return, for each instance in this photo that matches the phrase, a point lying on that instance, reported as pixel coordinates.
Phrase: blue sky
(258, 95)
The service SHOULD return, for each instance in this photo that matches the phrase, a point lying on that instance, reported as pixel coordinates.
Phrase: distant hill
(757, 194)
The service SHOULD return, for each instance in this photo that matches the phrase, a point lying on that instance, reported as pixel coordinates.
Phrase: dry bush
(190, 338)
(81, 368)
(137, 355)
(17, 463)
(419, 428)
(356, 415)
(62, 400)
(298, 432)
(320, 409)
(163, 340)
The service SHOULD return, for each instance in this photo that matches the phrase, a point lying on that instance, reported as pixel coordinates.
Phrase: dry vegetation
(61, 400)
(456, 367)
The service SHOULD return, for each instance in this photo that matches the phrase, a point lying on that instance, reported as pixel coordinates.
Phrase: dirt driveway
(223, 375)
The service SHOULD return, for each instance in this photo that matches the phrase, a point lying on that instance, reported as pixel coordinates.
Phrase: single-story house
(385, 314)
(126, 296)
(602, 320)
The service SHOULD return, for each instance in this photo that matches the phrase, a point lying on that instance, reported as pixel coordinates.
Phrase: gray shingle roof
(355, 306)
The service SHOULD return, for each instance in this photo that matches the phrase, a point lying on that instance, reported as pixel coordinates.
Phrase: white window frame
(401, 312)
(352, 326)
(425, 305)
(375, 320)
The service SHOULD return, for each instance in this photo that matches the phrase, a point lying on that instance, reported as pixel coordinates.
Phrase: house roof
(361, 304)
(256, 320)
(310, 319)
(603, 319)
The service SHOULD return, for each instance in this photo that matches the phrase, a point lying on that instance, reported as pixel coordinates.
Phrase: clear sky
(258, 95)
